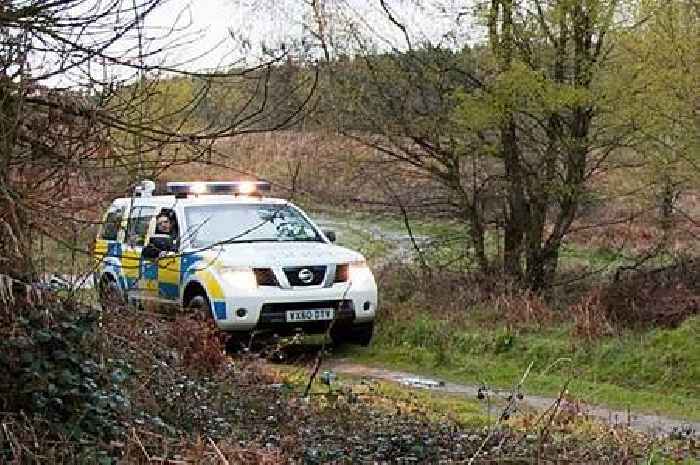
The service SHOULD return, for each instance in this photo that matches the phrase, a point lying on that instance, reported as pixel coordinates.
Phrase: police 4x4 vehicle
(252, 262)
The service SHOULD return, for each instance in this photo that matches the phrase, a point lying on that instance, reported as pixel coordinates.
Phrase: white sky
(204, 30)
(274, 21)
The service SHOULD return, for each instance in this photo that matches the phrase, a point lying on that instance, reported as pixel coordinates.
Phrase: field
(523, 182)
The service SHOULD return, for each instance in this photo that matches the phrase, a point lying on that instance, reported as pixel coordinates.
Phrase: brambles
(200, 343)
(662, 297)
(149, 399)
(523, 309)
(657, 298)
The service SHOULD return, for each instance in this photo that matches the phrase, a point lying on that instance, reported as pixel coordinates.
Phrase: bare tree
(510, 130)
(88, 105)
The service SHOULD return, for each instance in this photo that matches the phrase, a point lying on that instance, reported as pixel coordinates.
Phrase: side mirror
(156, 244)
(329, 234)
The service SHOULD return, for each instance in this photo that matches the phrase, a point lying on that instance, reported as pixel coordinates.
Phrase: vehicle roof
(208, 199)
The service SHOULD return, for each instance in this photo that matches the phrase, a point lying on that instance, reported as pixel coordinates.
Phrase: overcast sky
(273, 21)
(212, 34)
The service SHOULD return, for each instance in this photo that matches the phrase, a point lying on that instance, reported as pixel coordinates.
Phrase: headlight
(241, 278)
(358, 270)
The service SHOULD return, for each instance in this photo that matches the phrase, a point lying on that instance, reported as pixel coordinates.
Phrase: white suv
(252, 262)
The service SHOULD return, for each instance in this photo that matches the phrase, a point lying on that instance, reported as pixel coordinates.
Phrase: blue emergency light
(182, 189)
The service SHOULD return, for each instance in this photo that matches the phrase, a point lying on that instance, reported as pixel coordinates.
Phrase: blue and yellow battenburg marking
(164, 277)
(169, 278)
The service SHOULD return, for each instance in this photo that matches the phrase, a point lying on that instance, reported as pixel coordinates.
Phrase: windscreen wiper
(250, 241)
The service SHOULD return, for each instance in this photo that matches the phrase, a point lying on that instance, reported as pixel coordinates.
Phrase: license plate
(315, 314)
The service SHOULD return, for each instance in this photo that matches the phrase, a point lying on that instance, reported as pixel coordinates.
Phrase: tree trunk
(517, 220)
(517, 211)
(478, 237)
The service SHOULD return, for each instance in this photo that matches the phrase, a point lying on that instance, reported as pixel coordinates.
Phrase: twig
(9, 437)
(510, 406)
(555, 363)
(138, 441)
(319, 356)
(554, 409)
(218, 452)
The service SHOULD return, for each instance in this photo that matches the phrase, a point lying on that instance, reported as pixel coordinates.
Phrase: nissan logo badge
(306, 276)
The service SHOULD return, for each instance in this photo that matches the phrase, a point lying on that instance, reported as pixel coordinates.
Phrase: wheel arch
(193, 288)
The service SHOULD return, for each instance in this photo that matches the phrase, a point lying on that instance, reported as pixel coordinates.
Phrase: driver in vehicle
(165, 225)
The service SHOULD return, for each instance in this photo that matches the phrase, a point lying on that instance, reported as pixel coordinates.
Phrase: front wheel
(200, 307)
(239, 341)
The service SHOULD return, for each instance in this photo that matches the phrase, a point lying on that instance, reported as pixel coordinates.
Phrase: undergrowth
(123, 386)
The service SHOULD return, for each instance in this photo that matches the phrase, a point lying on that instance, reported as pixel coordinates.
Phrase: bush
(200, 343)
(50, 363)
(590, 319)
(523, 309)
(658, 298)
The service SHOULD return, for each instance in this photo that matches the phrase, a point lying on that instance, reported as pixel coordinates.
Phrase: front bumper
(266, 308)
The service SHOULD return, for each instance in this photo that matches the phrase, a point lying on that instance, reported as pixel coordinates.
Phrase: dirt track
(645, 423)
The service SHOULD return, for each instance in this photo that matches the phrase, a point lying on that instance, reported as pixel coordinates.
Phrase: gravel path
(645, 423)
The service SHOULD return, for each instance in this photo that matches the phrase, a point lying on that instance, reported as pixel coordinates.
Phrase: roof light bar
(218, 187)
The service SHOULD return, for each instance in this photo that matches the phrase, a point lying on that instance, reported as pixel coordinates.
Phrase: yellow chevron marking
(211, 284)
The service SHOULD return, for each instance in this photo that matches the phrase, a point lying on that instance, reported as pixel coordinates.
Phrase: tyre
(199, 307)
(110, 294)
(362, 334)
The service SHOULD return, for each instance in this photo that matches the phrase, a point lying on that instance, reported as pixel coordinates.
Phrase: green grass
(655, 372)
(355, 232)
(468, 413)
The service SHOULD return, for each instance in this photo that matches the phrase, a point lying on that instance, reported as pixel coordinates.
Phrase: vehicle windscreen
(214, 224)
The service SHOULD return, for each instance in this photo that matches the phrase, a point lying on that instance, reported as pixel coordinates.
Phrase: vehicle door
(169, 263)
(108, 245)
(141, 275)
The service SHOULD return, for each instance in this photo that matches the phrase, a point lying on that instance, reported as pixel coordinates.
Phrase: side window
(112, 224)
(139, 221)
